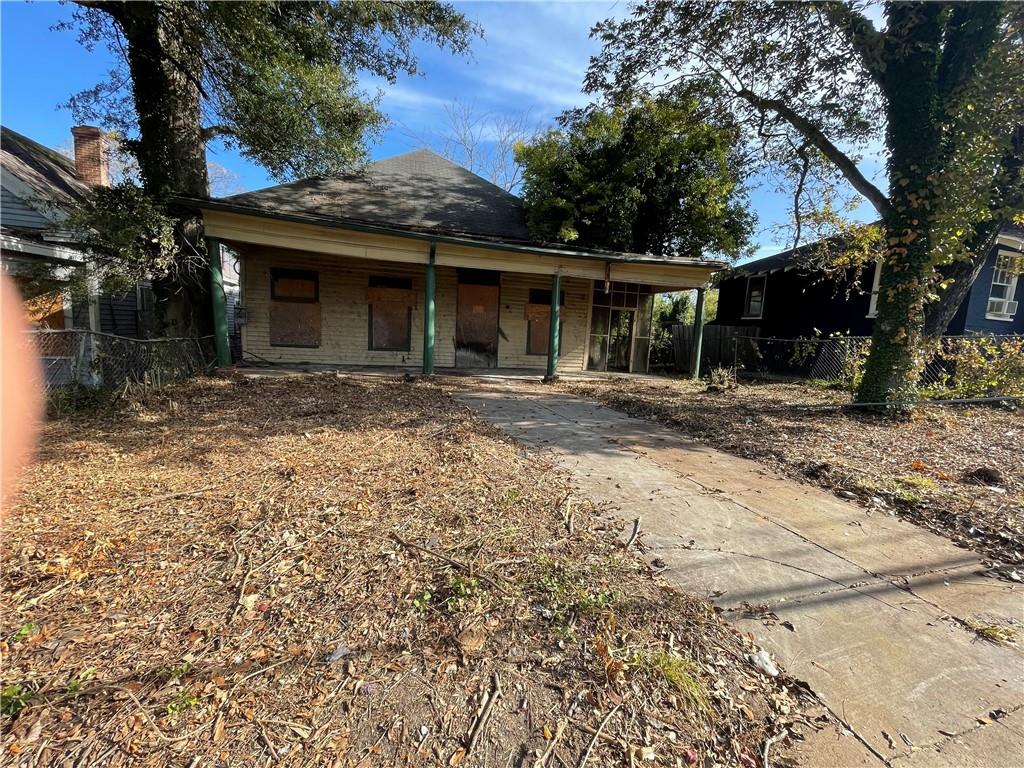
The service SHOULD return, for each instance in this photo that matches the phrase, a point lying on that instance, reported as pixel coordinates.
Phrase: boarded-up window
(294, 308)
(538, 321)
(389, 309)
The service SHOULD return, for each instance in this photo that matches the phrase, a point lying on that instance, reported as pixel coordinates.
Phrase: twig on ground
(451, 561)
(542, 761)
(768, 745)
(597, 735)
(633, 535)
(485, 714)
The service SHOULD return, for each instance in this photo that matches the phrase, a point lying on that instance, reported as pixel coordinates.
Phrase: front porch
(318, 294)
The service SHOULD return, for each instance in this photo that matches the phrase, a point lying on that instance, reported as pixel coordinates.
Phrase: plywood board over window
(294, 308)
(538, 321)
(389, 313)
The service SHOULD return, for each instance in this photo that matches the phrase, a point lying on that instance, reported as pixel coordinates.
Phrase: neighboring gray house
(39, 186)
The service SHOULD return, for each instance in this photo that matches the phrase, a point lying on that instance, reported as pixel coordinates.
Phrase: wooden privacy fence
(718, 346)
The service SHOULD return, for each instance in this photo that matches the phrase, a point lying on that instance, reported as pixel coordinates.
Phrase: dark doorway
(476, 319)
(619, 337)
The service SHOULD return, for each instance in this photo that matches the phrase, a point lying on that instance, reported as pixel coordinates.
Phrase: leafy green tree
(814, 85)
(276, 80)
(660, 176)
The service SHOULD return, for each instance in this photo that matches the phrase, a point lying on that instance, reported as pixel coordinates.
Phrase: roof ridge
(430, 151)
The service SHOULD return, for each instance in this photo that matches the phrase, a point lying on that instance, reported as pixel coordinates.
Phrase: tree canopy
(814, 86)
(658, 176)
(277, 80)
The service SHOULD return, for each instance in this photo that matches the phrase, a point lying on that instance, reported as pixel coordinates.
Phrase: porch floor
(510, 374)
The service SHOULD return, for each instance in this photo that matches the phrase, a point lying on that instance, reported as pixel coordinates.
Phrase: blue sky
(532, 59)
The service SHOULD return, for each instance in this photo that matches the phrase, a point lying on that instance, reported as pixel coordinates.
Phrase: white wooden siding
(344, 317)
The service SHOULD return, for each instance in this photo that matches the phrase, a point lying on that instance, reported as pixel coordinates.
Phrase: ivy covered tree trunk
(166, 66)
(913, 106)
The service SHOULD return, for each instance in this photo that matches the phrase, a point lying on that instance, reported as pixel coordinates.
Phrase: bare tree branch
(819, 140)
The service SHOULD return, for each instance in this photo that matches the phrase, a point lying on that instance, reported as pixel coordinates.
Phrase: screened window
(1001, 305)
(389, 313)
(294, 308)
(754, 305)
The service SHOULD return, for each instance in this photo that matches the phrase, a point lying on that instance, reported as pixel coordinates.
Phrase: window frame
(747, 315)
(1011, 290)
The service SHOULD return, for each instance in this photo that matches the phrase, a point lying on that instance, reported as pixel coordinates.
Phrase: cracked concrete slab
(889, 670)
(873, 601)
(974, 749)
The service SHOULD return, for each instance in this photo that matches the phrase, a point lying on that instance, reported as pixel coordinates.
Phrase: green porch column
(429, 287)
(555, 321)
(220, 306)
(698, 333)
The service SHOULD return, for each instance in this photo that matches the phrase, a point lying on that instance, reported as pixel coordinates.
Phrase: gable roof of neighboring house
(786, 260)
(419, 190)
(47, 174)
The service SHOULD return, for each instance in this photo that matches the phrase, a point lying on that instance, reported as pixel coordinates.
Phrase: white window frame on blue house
(1001, 304)
(873, 305)
(747, 314)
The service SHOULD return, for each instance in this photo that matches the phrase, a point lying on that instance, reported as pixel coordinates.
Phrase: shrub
(981, 366)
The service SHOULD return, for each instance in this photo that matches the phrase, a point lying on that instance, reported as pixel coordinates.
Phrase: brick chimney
(91, 156)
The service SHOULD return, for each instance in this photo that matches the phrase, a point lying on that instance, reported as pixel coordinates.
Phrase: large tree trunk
(896, 356)
(165, 60)
(961, 276)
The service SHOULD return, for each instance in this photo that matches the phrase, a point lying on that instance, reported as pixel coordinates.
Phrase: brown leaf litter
(956, 470)
(347, 571)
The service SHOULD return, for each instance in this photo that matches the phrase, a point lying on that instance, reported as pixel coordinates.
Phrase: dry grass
(925, 468)
(333, 570)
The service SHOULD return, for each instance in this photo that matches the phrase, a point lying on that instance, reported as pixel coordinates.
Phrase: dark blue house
(784, 299)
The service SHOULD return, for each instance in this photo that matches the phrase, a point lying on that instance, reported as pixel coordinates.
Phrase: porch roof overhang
(329, 236)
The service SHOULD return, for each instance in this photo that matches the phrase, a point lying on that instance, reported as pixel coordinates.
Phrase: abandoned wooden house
(416, 261)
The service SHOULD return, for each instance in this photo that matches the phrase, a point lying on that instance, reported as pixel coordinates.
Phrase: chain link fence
(103, 361)
(958, 366)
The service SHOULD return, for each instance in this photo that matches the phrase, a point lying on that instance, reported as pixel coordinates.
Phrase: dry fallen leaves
(216, 573)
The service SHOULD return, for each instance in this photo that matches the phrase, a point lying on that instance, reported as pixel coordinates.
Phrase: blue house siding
(15, 212)
(800, 303)
(977, 303)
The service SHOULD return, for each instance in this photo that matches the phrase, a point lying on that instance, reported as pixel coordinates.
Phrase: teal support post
(556, 319)
(698, 333)
(220, 306)
(430, 284)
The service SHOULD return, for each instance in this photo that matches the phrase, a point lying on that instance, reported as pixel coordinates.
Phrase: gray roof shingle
(49, 174)
(419, 190)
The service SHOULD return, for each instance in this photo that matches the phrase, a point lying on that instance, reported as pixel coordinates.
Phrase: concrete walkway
(871, 611)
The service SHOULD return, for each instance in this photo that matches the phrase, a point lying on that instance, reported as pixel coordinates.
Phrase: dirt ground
(333, 570)
(957, 470)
